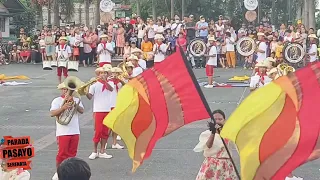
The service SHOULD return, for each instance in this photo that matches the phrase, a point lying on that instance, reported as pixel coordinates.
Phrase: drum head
(197, 47)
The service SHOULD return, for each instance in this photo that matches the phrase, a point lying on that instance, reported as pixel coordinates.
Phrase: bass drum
(54, 63)
(246, 46)
(73, 66)
(62, 64)
(293, 53)
(197, 47)
(46, 65)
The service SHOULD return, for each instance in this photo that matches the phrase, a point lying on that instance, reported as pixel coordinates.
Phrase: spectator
(74, 169)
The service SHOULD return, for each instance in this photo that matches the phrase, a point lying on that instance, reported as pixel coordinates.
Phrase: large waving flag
(156, 103)
(276, 128)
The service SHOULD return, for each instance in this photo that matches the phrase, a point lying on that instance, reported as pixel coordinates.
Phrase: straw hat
(99, 69)
(133, 57)
(63, 38)
(261, 34)
(116, 70)
(158, 36)
(270, 59)
(313, 36)
(104, 36)
(129, 64)
(212, 39)
(273, 70)
(136, 50)
(63, 86)
(107, 66)
(262, 64)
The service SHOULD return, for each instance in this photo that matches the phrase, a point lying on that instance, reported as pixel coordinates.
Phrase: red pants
(62, 69)
(101, 131)
(209, 70)
(103, 63)
(67, 147)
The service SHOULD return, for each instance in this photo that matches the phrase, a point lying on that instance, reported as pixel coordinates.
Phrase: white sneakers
(118, 138)
(208, 86)
(55, 177)
(294, 178)
(117, 146)
(94, 155)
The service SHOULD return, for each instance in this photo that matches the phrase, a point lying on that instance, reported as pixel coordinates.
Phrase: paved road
(24, 111)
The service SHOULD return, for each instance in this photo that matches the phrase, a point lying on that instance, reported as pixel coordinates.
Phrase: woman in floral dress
(217, 164)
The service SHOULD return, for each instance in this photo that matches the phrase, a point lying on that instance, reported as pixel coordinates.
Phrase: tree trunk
(172, 9)
(49, 12)
(86, 10)
(97, 13)
(154, 14)
(311, 9)
(182, 8)
(138, 8)
(56, 11)
(273, 14)
(306, 13)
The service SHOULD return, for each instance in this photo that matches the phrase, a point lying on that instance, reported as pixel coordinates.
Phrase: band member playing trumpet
(260, 78)
(211, 62)
(137, 52)
(101, 93)
(67, 135)
(129, 68)
(63, 53)
(159, 49)
(137, 70)
(104, 51)
(313, 50)
(262, 48)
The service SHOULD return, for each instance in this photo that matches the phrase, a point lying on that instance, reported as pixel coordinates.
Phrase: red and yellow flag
(156, 103)
(277, 127)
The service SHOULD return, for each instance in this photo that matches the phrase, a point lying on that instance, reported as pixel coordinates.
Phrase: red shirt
(182, 42)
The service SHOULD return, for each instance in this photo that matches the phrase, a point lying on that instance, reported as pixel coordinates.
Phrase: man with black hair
(74, 169)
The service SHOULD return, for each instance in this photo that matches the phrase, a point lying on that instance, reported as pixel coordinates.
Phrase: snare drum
(73, 66)
(54, 63)
(62, 64)
(46, 65)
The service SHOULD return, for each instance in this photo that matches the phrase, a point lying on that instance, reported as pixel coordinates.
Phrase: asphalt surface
(24, 111)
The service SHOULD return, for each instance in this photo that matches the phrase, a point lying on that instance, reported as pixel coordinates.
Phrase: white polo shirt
(262, 56)
(136, 71)
(114, 94)
(159, 56)
(213, 60)
(101, 99)
(256, 80)
(105, 56)
(73, 127)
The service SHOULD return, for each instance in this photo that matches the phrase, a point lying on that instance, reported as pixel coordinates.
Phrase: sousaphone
(246, 46)
(197, 47)
(293, 53)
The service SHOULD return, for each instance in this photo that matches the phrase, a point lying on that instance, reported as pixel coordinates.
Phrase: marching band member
(14, 174)
(260, 78)
(211, 62)
(137, 70)
(118, 83)
(63, 53)
(271, 62)
(129, 68)
(67, 135)
(104, 51)
(313, 51)
(159, 49)
(262, 48)
(137, 52)
(273, 74)
(101, 94)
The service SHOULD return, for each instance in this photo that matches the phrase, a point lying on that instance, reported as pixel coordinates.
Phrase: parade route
(24, 111)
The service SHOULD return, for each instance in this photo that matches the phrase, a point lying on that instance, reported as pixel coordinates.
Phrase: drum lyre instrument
(197, 47)
(73, 66)
(293, 53)
(72, 83)
(284, 69)
(46, 65)
(246, 46)
(62, 62)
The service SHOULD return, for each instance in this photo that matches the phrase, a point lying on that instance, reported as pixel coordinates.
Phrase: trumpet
(84, 89)
(124, 75)
(284, 69)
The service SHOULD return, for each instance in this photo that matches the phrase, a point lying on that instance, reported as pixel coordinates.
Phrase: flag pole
(194, 79)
